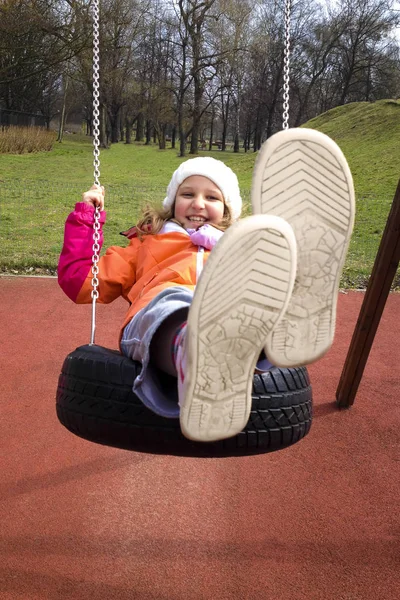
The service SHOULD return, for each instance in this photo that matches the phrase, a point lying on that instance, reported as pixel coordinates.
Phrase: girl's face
(198, 201)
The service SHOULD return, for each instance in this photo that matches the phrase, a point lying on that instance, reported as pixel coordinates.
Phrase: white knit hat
(215, 170)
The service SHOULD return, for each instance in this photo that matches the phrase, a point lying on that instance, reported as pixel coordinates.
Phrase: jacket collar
(170, 226)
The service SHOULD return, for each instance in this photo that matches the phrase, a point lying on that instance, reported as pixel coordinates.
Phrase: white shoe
(242, 293)
(302, 176)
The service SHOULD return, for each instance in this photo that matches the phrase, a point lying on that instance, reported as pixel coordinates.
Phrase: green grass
(131, 165)
(369, 135)
(38, 190)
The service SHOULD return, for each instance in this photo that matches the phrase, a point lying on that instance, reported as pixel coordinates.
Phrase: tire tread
(95, 401)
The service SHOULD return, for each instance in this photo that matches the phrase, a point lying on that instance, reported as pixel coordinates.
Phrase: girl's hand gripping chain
(94, 196)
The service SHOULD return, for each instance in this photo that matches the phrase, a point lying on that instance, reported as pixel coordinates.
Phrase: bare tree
(194, 14)
(365, 25)
(232, 33)
(37, 39)
(122, 21)
(190, 66)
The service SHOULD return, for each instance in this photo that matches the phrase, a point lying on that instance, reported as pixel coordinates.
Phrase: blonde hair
(153, 219)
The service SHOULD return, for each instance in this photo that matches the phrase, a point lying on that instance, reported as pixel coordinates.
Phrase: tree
(194, 14)
(122, 23)
(38, 38)
(232, 32)
(365, 27)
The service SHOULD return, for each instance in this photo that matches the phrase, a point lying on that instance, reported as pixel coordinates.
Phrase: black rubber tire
(95, 401)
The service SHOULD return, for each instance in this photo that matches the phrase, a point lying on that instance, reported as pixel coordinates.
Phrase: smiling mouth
(197, 219)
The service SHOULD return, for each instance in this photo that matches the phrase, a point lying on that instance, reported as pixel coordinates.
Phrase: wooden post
(383, 272)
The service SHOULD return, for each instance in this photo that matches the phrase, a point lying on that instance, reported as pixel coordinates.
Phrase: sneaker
(302, 176)
(243, 291)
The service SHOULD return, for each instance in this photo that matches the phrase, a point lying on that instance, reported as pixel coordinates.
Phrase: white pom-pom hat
(215, 170)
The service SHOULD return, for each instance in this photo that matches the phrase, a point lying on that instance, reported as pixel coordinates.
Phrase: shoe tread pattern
(239, 306)
(305, 183)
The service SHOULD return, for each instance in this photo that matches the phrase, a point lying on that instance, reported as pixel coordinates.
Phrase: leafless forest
(195, 72)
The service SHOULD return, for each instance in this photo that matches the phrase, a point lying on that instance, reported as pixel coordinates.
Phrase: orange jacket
(137, 273)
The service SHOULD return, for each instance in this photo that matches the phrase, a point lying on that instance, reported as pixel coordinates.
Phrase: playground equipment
(94, 395)
(383, 273)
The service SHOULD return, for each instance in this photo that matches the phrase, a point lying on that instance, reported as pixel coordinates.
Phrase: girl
(245, 285)
(208, 331)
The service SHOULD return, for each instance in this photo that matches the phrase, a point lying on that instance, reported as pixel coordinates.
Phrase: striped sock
(178, 340)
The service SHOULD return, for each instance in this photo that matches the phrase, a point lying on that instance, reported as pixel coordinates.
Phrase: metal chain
(96, 134)
(96, 161)
(96, 90)
(95, 270)
(286, 69)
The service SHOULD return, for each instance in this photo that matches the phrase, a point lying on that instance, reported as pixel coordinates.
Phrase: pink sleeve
(76, 256)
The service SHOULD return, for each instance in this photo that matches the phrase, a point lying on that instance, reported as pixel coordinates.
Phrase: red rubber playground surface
(317, 521)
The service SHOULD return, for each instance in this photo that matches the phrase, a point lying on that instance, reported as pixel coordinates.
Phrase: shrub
(22, 140)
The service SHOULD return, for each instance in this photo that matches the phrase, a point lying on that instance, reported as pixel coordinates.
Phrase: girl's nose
(198, 201)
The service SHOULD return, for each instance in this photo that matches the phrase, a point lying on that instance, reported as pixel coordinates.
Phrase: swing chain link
(96, 161)
(96, 91)
(286, 68)
(96, 133)
(95, 257)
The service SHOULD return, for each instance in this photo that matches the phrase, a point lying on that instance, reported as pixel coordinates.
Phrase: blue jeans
(157, 390)
(153, 387)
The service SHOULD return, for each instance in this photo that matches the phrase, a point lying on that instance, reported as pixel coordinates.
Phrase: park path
(317, 521)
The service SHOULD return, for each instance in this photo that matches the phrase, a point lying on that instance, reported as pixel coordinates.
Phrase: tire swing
(94, 397)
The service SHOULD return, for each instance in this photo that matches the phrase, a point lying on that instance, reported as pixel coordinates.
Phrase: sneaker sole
(302, 176)
(242, 292)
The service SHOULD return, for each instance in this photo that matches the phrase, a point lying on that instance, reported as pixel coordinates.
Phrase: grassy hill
(369, 135)
(38, 190)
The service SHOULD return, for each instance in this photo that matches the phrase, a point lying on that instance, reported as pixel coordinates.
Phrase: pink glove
(206, 236)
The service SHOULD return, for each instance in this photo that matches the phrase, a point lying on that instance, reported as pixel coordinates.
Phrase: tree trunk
(161, 134)
(148, 132)
(182, 145)
(194, 138)
(139, 127)
(103, 126)
(273, 105)
(121, 129)
(223, 137)
(173, 138)
(198, 95)
(182, 89)
(211, 133)
(257, 133)
(247, 140)
(89, 127)
(114, 123)
(62, 117)
(225, 123)
(236, 144)
(368, 85)
(182, 137)
(128, 129)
